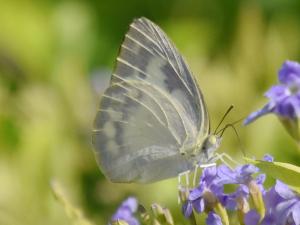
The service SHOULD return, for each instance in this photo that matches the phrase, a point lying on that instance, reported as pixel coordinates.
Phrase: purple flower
(242, 176)
(288, 209)
(282, 207)
(126, 210)
(213, 219)
(284, 98)
(206, 194)
(271, 200)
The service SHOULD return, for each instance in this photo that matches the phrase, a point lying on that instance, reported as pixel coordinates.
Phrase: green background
(56, 58)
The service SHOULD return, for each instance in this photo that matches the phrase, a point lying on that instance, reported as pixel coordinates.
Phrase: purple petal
(268, 220)
(252, 218)
(289, 72)
(121, 213)
(133, 221)
(296, 213)
(277, 93)
(213, 219)
(244, 173)
(196, 192)
(248, 169)
(260, 179)
(187, 209)
(131, 203)
(227, 175)
(209, 174)
(229, 201)
(126, 210)
(272, 198)
(268, 158)
(255, 115)
(289, 107)
(284, 210)
(283, 190)
(217, 189)
(199, 205)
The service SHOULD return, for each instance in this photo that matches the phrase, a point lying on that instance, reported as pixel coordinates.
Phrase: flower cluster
(252, 202)
(284, 99)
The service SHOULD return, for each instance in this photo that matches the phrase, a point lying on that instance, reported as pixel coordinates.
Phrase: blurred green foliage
(56, 58)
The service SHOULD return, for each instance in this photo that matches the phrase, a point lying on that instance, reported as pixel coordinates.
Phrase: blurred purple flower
(213, 219)
(268, 158)
(284, 98)
(126, 210)
(208, 191)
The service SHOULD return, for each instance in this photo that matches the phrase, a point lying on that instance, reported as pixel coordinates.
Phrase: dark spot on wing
(105, 103)
(142, 39)
(119, 133)
(100, 141)
(134, 59)
(101, 118)
(147, 56)
(123, 70)
(171, 81)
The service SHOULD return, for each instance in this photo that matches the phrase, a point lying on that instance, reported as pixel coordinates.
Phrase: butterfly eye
(213, 139)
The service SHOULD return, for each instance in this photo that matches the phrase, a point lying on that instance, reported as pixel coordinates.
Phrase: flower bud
(242, 208)
(162, 215)
(257, 198)
(212, 203)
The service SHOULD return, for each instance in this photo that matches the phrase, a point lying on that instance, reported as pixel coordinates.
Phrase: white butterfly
(152, 122)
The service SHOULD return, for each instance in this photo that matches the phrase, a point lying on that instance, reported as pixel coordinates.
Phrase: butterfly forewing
(150, 51)
(152, 112)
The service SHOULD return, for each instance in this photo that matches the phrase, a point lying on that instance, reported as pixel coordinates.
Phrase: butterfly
(152, 122)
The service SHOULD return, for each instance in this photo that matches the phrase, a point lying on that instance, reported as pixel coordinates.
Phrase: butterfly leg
(195, 174)
(181, 186)
(222, 157)
(187, 182)
(197, 167)
(208, 165)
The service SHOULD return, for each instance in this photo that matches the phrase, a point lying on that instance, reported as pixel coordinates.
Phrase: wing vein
(131, 66)
(158, 35)
(147, 93)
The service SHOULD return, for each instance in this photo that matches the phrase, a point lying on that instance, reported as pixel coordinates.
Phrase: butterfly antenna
(235, 131)
(224, 116)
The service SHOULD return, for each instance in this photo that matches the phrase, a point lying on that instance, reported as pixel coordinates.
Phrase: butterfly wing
(152, 112)
(147, 54)
(132, 137)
